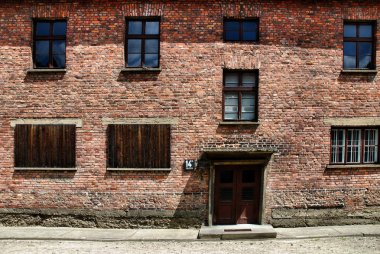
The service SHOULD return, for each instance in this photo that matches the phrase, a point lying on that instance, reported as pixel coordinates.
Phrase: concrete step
(241, 231)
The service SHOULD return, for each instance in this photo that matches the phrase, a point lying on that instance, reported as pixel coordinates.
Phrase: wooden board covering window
(139, 146)
(45, 146)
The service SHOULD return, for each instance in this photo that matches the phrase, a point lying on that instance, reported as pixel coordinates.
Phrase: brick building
(178, 113)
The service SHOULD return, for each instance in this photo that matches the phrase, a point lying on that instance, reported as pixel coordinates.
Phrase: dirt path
(347, 245)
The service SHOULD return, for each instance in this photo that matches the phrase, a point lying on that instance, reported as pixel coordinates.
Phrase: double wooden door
(237, 194)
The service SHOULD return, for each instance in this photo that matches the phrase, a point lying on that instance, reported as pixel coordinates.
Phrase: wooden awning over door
(254, 157)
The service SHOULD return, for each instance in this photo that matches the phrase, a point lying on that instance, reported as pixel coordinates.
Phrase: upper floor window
(354, 145)
(241, 30)
(142, 43)
(359, 45)
(49, 44)
(240, 95)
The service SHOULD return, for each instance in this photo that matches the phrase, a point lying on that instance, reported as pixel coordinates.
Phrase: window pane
(231, 80)
(231, 25)
(232, 36)
(337, 146)
(226, 176)
(151, 60)
(231, 102)
(365, 31)
(249, 31)
(349, 30)
(134, 46)
(249, 79)
(247, 116)
(134, 60)
(42, 28)
(250, 26)
(151, 46)
(249, 36)
(230, 116)
(354, 137)
(59, 47)
(353, 146)
(248, 107)
(248, 100)
(365, 48)
(59, 61)
(42, 60)
(134, 27)
(349, 49)
(59, 28)
(365, 62)
(152, 27)
(42, 47)
(365, 55)
(231, 99)
(341, 138)
(349, 62)
(370, 146)
(248, 176)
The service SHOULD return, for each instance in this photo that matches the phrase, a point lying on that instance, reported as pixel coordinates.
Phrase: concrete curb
(114, 235)
(329, 231)
(96, 234)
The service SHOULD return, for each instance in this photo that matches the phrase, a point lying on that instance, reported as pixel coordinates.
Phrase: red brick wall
(299, 58)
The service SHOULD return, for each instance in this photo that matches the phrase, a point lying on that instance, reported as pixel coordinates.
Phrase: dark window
(49, 47)
(139, 146)
(354, 145)
(241, 30)
(240, 95)
(45, 146)
(359, 45)
(142, 43)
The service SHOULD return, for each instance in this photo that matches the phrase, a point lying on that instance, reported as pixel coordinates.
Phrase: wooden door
(237, 194)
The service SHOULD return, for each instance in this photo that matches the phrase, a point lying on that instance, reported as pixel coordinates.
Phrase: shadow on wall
(42, 174)
(175, 209)
(357, 77)
(236, 128)
(138, 76)
(193, 204)
(87, 208)
(38, 77)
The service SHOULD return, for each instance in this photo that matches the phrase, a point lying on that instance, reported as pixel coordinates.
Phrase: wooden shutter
(45, 146)
(139, 146)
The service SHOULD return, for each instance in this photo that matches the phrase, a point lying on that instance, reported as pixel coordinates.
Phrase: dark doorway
(237, 194)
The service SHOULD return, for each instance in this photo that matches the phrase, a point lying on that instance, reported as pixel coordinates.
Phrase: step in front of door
(231, 232)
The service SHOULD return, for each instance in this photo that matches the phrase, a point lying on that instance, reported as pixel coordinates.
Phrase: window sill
(46, 71)
(139, 169)
(332, 166)
(241, 41)
(358, 71)
(239, 123)
(46, 169)
(139, 70)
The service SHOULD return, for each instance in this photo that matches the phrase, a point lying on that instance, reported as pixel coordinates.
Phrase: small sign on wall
(190, 164)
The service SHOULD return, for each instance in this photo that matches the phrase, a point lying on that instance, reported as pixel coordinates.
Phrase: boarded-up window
(45, 146)
(139, 146)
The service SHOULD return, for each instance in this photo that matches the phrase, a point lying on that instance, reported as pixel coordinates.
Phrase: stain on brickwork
(299, 57)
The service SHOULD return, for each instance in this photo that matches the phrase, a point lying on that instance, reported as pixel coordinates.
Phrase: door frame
(211, 198)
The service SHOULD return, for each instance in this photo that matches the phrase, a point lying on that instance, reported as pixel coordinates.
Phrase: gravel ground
(361, 245)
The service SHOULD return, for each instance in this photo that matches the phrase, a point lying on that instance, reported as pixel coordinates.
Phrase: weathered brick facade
(299, 57)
